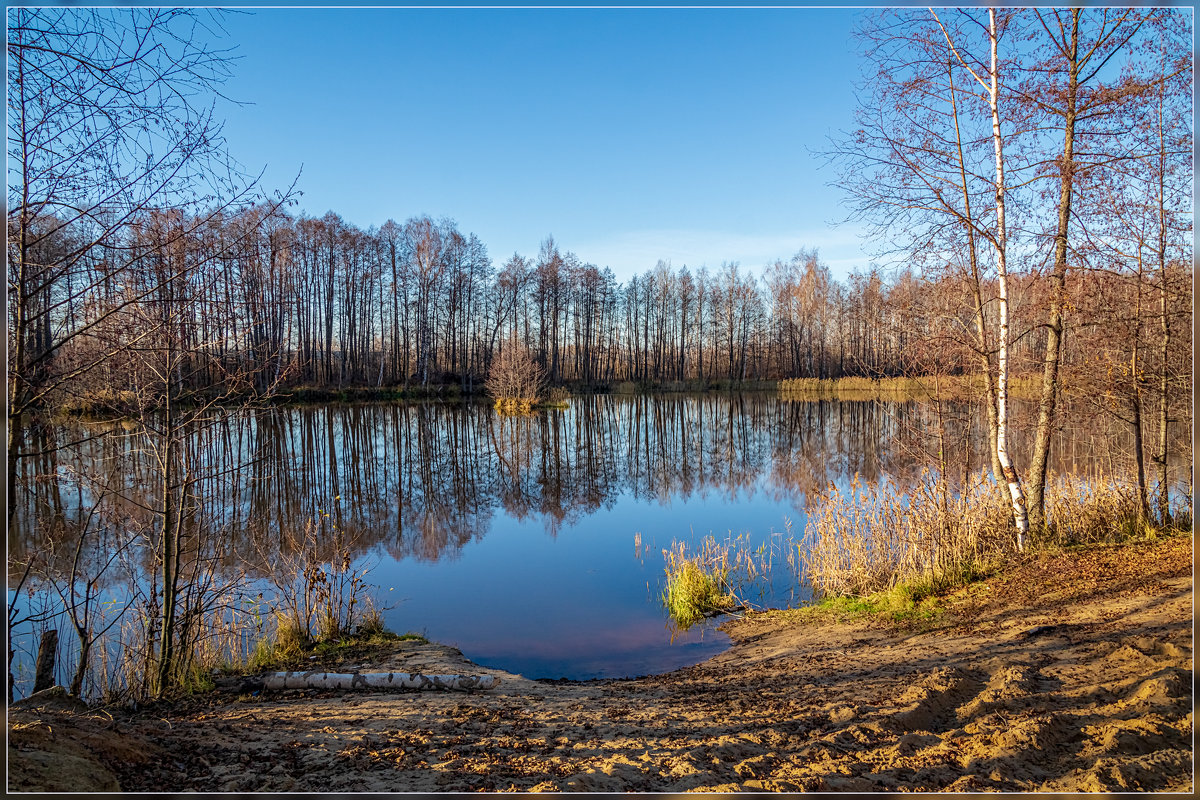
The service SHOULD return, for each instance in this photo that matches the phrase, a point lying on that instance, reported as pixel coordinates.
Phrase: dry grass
(877, 538)
(222, 624)
(873, 538)
(320, 593)
(1082, 511)
(948, 387)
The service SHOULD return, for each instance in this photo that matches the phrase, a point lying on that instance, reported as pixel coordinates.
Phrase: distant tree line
(277, 299)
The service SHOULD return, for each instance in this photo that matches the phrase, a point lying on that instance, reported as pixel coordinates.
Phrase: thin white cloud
(637, 251)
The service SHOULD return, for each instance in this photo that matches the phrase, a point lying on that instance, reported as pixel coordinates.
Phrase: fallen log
(378, 681)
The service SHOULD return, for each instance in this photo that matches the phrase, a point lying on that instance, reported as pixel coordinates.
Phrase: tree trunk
(1136, 405)
(1010, 473)
(47, 653)
(1160, 458)
(168, 519)
(985, 360)
(85, 651)
(1054, 324)
(16, 366)
(1164, 498)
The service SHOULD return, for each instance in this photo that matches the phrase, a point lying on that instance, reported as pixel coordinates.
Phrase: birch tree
(916, 168)
(987, 74)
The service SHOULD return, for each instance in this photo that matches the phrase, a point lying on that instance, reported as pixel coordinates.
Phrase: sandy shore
(1069, 673)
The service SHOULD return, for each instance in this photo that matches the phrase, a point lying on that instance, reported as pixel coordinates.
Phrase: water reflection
(509, 536)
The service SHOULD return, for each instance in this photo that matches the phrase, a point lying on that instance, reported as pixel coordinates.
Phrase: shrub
(514, 379)
(320, 592)
(558, 396)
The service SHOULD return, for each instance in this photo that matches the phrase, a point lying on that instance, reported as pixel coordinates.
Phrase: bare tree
(515, 380)
(1071, 86)
(987, 74)
(109, 115)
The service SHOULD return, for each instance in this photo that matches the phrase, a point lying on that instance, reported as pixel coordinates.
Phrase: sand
(1069, 673)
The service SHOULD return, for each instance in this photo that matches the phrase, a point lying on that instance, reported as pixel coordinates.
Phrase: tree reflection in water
(416, 484)
(422, 480)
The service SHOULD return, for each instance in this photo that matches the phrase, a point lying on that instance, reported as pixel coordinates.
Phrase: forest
(318, 302)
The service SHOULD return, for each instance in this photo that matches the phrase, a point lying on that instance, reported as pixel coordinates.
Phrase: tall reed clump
(224, 619)
(792, 387)
(697, 584)
(1081, 510)
(948, 387)
(873, 538)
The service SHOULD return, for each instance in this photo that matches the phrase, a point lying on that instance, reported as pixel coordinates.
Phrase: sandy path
(1083, 685)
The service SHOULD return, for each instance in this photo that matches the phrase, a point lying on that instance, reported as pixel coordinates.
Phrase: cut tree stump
(377, 681)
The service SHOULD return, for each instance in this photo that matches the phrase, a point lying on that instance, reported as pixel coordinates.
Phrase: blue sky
(630, 135)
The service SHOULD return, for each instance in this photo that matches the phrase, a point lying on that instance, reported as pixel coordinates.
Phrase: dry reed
(947, 387)
(1082, 511)
(874, 537)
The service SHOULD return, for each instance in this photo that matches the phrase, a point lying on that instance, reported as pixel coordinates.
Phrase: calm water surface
(513, 538)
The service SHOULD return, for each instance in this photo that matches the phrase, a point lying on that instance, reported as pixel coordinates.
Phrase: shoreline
(849, 388)
(1067, 672)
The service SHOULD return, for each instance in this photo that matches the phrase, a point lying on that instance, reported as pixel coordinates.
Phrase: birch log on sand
(376, 680)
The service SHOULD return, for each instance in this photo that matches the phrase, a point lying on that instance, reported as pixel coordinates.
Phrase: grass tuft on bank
(290, 648)
(697, 584)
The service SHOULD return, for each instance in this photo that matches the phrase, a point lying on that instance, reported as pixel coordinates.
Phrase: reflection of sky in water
(579, 604)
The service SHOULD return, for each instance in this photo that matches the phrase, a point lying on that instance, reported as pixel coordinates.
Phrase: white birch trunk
(1010, 473)
(992, 88)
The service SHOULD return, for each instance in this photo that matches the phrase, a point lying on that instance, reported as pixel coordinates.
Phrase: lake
(532, 543)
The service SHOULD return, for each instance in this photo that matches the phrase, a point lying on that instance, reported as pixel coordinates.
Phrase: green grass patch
(697, 586)
(946, 580)
(845, 607)
(896, 605)
(916, 602)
